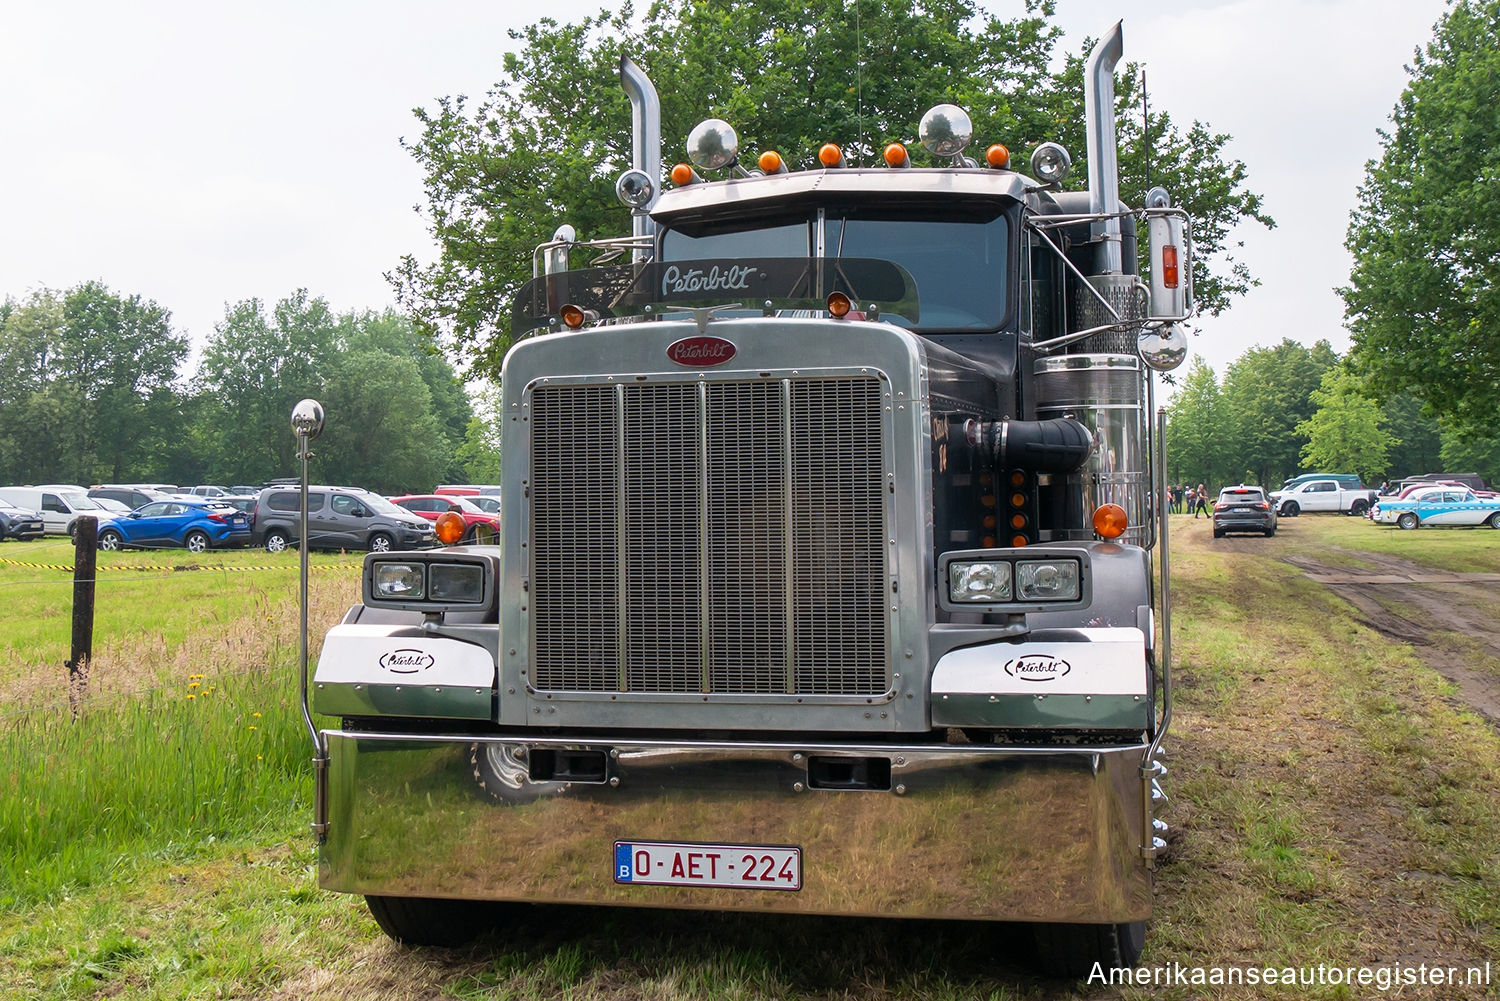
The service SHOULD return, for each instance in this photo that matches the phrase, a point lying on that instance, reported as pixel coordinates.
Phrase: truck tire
(501, 775)
(1359, 508)
(1290, 509)
(431, 921)
(1070, 951)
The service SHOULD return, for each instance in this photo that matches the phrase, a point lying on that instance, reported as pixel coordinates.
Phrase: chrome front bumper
(962, 831)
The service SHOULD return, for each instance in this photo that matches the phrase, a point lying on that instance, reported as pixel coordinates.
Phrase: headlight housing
(442, 580)
(1034, 579)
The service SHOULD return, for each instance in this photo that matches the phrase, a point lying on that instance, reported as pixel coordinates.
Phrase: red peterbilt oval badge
(701, 351)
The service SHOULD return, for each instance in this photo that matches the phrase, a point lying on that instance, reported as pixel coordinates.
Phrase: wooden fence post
(85, 539)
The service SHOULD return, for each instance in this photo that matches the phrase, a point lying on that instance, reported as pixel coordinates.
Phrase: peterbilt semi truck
(832, 576)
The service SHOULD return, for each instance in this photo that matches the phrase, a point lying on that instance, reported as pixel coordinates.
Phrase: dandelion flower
(256, 715)
(252, 728)
(192, 697)
(192, 684)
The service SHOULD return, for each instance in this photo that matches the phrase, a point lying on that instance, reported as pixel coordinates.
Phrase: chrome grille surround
(712, 537)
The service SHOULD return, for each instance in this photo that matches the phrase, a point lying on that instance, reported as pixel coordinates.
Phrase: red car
(480, 526)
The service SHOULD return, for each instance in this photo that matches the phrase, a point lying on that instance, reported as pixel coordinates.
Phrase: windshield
(380, 505)
(81, 502)
(959, 264)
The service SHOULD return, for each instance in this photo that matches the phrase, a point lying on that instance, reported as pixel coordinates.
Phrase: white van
(60, 508)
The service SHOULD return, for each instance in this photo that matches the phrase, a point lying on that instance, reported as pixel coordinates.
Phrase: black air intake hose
(1059, 445)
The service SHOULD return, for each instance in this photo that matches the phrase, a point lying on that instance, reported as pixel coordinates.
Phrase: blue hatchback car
(195, 524)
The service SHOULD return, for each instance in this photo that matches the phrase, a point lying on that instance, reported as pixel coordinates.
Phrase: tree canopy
(1423, 299)
(547, 143)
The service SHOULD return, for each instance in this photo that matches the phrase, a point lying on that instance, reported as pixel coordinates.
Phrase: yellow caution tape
(180, 568)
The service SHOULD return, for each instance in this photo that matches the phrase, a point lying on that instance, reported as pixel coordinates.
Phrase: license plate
(747, 867)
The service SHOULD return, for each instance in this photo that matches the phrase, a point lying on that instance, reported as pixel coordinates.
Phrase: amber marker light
(683, 174)
(450, 527)
(1169, 274)
(838, 304)
(997, 156)
(572, 316)
(1018, 521)
(829, 155)
(1018, 541)
(770, 161)
(1110, 521)
(896, 156)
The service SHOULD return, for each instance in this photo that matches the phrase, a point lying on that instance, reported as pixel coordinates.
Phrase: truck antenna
(1146, 128)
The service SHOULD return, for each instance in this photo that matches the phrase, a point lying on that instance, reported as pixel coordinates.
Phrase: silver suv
(338, 518)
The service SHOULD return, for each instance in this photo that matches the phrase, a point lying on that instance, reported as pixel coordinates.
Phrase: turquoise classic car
(1443, 505)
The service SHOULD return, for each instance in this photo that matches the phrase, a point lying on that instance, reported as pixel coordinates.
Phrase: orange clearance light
(1018, 521)
(1018, 541)
(896, 156)
(1017, 500)
(683, 174)
(1169, 275)
(573, 316)
(1110, 521)
(988, 542)
(450, 527)
(839, 304)
(1017, 478)
(770, 161)
(830, 155)
(989, 521)
(997, 156)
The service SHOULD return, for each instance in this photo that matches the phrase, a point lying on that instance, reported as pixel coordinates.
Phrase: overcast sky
(200, 154)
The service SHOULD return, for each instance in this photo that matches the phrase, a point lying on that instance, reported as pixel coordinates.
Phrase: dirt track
(1446, 617)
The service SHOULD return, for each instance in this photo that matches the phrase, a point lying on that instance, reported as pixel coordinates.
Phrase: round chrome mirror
(713, 144)
(1157, 198)
(307, 418)
(945, 130)
(1163, 348)
(1050, 163)
(635, 188)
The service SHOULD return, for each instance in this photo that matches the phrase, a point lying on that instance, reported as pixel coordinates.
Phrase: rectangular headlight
(1047, 580)
(456, 582)
(979, 582)
(399, 581)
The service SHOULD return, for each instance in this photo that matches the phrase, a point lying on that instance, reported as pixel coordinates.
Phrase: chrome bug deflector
(948, 831)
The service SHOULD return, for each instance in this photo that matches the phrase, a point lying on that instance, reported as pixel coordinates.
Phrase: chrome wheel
(380, 543)
(196, 542)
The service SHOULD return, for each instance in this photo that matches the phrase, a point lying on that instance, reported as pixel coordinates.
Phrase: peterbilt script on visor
(735, 278)
(828, 514)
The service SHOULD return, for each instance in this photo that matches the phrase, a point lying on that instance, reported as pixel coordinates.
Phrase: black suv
(338, 518)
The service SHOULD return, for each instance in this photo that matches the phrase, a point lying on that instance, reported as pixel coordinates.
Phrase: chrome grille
(719, 537)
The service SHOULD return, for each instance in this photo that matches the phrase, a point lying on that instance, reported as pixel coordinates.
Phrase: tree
(1420, 438)
(479, 452)
(1472, 452)
(86, 378)
(1269, 392)
(1422, 303)
(547, 143)
(1197, 429)
(1347, 431)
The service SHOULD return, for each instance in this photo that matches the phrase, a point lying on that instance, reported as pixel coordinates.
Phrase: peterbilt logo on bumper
(1037, 667)
(701, 351)
(406, 661)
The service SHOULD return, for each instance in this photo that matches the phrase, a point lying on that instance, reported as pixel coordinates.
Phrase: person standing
(1202, 502)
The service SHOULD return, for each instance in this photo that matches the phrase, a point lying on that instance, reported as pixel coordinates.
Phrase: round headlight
(1050, 163)
(635, 188)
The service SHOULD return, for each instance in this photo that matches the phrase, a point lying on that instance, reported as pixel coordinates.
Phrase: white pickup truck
(1322, 495)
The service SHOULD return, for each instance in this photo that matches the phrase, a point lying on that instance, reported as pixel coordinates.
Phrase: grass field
(1333, 802)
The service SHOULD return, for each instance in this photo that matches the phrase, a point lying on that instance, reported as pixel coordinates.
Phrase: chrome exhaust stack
(645, 148)
(1104, 164)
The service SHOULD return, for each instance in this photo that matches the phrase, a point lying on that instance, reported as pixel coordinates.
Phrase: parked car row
(1444, 504)
(151, 515)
